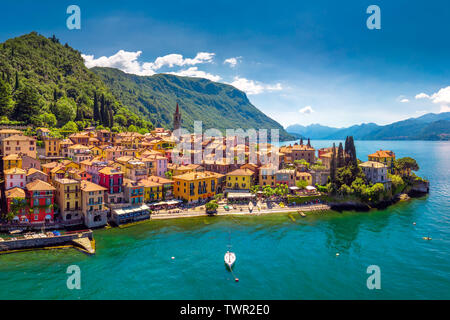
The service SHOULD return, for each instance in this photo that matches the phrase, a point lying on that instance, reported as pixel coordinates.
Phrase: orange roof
(159, 179)
(198, 175)
(14, 171)
(149, 183)
(110, 170)
(241, 172)
(383, 154)
(34, 170)
(39, 185)
(50, 165)
(13, 156)
(17, 137)
(15, 193)
(90, 186)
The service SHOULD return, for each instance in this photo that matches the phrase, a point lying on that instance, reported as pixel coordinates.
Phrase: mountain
(46, 83)
(430, 126)
(217, 105)
(315, 131)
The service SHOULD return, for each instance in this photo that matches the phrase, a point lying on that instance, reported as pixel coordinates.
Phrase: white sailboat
(230, 259)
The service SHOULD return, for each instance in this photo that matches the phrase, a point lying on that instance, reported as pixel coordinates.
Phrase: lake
(277, 258)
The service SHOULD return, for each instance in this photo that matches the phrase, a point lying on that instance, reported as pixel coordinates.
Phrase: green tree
(65, 110)
(211, 206)
(340, 156)
(28, 104)
(6, 101)
(406, 165)
(96, 109)
(70, 127)
(132, 128)
(302, 184)
(333, 165)
(48, 119)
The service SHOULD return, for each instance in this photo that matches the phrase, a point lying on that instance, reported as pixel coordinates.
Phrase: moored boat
(230, 259)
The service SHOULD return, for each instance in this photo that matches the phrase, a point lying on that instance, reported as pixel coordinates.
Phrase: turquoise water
(276, 257)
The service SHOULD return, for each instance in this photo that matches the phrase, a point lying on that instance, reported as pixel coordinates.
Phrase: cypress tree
(353, 158)
(301, 141)
(102, 109)
(111, 118)
(340, 156)
(309, 142)
(96, 112)
(333, 165)
(16, 87)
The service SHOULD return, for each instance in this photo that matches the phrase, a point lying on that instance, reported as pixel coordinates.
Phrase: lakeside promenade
(198, 212)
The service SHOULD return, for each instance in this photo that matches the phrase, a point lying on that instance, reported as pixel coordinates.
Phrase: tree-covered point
(45, 83)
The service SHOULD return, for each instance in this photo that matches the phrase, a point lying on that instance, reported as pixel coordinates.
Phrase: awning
(173, 202)
(240, 195)
(310, 188)
(294, 188)
(16, 218)
(49, 217)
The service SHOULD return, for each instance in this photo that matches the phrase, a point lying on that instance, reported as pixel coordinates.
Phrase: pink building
(15, 177)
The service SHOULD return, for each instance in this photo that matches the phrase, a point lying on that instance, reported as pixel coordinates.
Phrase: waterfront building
(14, 196)
(94, 211)
(286, 176)
(195, 186)
(167, 186)
(133, 192)
(41, 200)
(239, 179)
(153, 191)
(376, 172)
(112, 179)
(386, 157)
(304, 176)
(68, 198)
(19, 144)
(14, 177)
(267, 175)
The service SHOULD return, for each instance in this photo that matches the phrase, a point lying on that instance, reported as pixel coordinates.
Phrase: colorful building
(14, 177)
(267, 175)
(94, 211)
(52, 147)
(68, 198)
(153, 191)
(239, 179)
(112, 179)
(196, 186)
(12, 161)
(133, 192)
(19, 144)
(386, 157)
(40, 195)
(16, 201)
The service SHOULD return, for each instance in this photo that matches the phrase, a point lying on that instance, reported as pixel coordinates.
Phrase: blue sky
(299, 61)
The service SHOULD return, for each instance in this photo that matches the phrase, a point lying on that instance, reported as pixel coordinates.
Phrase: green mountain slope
(41, 78)
(217, 105)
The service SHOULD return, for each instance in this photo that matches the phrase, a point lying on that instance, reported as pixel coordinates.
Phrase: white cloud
(254, 87)
(404, 100)
(127, 61)
(232, 61)
(194, 72)
(444, 109)
(422, 96)
(442, 97)
(306, 110)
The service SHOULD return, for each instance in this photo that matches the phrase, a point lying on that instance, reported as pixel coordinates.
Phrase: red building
(111, 179)
(40, 195)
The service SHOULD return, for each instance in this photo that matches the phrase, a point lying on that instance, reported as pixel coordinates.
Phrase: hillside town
(96, 178)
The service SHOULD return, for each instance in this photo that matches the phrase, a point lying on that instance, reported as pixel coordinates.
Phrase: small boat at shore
(230, 259)
(301, 213)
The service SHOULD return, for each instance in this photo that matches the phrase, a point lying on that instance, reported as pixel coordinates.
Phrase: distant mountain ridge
(217, 105)
(431, 126)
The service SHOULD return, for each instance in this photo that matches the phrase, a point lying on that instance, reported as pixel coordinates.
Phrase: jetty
(82, 240)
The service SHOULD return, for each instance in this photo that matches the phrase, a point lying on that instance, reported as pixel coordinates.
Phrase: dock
(83, 240)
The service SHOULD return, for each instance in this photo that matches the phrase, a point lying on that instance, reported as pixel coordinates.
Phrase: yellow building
(195, 186)
(12, 161)
(239, 179)
(52, 147)
(153, 191)
(386, 157)
(96, 151)
(68, 198)
(304, 176)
